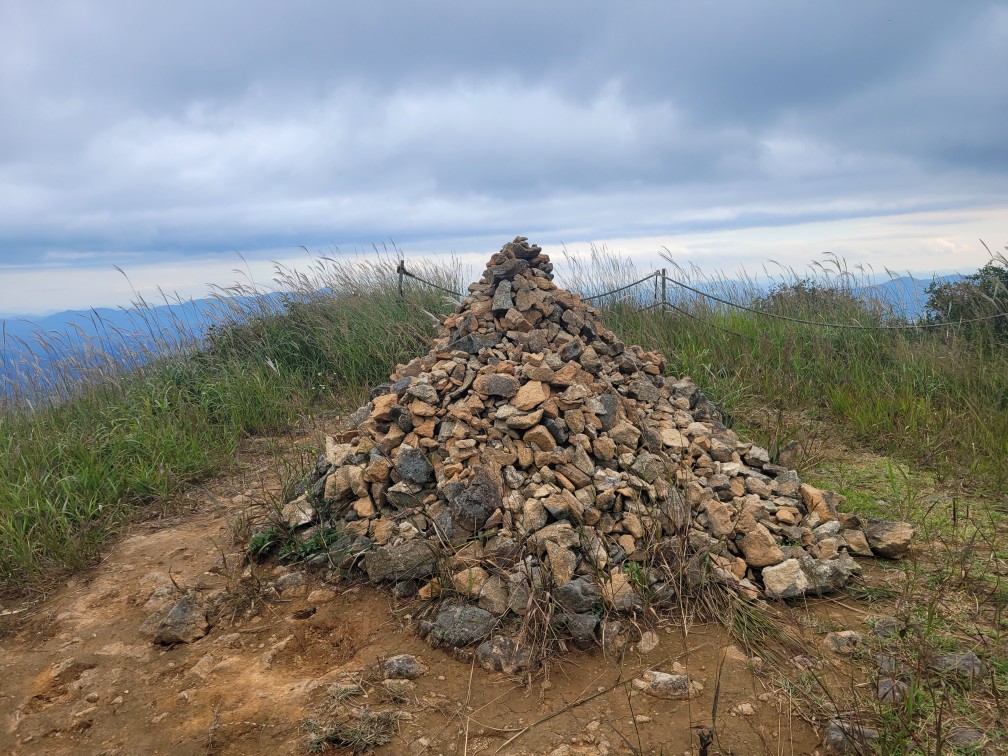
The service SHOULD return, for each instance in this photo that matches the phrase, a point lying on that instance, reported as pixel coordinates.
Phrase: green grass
(74, 468)
(115, 439)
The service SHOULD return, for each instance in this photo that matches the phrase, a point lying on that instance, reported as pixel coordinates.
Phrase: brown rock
(383, 407)
(760, 548)
(496, 384)
(531, 395)
(540, 437)
(470, 581)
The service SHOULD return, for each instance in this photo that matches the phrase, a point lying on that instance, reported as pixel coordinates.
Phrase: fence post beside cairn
(401, 270)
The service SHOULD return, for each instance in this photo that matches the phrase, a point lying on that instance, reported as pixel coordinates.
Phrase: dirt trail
(81, 675)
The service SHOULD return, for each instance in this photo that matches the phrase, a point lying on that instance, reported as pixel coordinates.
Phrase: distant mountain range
(908, 295)
(32, 346)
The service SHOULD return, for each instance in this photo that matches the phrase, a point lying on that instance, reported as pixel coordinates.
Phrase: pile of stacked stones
(531, 447)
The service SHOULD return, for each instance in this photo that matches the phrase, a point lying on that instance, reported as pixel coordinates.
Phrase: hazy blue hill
(34, 345)
(908, 295)
(130, 333)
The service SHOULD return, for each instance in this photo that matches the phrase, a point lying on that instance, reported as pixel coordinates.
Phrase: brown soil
(80, 675)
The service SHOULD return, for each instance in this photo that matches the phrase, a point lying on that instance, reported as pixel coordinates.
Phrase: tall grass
(134, 414)
(126, 418)
(935, 396)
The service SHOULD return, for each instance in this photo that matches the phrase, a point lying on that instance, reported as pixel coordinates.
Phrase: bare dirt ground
(80, 673)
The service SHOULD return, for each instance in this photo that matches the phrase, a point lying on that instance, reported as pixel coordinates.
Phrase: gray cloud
(190, 128)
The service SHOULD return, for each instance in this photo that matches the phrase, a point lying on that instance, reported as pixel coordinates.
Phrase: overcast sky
(164, 136)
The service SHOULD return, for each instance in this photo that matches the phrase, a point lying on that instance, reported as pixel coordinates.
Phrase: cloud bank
(160, 133)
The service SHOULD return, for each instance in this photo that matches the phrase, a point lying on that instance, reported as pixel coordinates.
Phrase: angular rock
(760, 548)
(581, 626)
(965, 668)
(502, 301)
(185, 623)
(891, 691)
(845, 737)
(496, 384)
(501, 654)
(785, 580)
(474, 502)
(413, 465)
(577, 596)
(844, 642)
(409, 560)
(888, 539)
(460, 626)
(403, 667)
(666, 686)
(531, 395)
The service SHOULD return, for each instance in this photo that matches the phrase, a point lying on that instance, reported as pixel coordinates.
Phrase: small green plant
(262, 544)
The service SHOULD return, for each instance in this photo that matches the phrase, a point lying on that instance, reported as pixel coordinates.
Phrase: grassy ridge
(71, 470)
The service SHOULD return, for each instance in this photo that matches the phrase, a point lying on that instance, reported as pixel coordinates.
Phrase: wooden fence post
(664, 288)
(401, 270)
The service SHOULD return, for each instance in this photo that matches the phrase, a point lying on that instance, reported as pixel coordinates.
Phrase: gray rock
(966, 668)
(461, 625)
(886, 664)
(845, 737)
(829, 575)
(615, 636)
(423, 391)
(648, 466)
(610, 404)
(501, 654)
(403, 667)
(413, 465)
(580, 625)
(886, 627)
(472, 503)
(787, 483)
(290, 581)
(185, 623)
(887, 538)
(644, 390)
(843, 642)
(519, 592)
(965, 737)
(666, 686)
(757, 456)
(502, 301)
(577, 596)
(494, 596)
(891, 691)
(409, 560)
(798, 577)
(403, 494)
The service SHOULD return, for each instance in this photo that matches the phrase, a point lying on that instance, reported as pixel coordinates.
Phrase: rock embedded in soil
(461, 625)
(667, 686)
(891, 691)
(846, 737)
(403, 667)
(529, 428)
(502, 654)
(844, 642)
(185, 623)
(404, 561)
(965, 668)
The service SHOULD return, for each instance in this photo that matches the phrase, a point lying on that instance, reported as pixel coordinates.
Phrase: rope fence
(662, 303)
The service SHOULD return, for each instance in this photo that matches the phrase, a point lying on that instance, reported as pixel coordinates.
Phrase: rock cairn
(531, 447)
